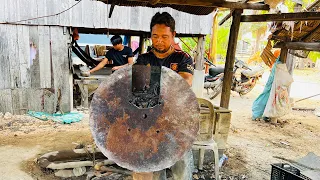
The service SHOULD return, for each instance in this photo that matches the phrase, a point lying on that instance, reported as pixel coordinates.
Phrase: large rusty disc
(144, 140)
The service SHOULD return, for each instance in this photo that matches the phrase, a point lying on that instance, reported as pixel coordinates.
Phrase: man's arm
(186, 68)
(187, 76)
(130, 60)
(100, 65)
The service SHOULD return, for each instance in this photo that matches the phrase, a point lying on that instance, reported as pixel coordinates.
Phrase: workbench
(94, 79)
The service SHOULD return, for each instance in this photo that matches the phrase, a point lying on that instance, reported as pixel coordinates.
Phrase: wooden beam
(111, 10)
(154, 2)
(229, 15)
(210, 3)
(301, 16)
(313, 5)
(230, 59)
(279, 38)
(308, 46)
(226, 18)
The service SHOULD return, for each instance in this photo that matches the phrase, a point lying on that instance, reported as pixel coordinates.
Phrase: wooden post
(200, 52)
(141, 44)
(283, 55)
(231, 52)
(129, 41)
(214, 39)
(198, 77)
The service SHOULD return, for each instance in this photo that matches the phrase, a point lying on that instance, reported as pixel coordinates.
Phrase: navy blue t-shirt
(178, 61)
(119, 57)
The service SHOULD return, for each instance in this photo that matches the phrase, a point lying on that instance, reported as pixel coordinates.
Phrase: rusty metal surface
(144, 140)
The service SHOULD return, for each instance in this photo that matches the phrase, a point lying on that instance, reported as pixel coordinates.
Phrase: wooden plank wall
(93, 14)
(40, 82)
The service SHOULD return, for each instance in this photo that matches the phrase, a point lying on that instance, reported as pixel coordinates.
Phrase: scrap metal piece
(144, 139)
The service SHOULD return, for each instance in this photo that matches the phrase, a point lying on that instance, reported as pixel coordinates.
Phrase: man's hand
(85, 73)
(100, 65)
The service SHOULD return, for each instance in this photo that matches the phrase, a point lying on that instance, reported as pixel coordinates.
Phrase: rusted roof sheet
(197, 10)
(303, 31)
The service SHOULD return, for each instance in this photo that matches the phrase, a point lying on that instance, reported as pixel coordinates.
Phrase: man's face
(117, 47)
(161, 37)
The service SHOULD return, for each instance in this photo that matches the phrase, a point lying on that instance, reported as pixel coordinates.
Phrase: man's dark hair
(163, 18)
(116, 39)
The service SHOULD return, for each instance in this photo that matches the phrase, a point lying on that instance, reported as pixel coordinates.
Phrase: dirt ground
(257, 142)
(252, 145)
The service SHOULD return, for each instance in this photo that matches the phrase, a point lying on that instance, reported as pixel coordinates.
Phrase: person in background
(119, 55)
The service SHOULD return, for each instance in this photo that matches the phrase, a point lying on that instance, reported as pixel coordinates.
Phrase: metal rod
(307, 98)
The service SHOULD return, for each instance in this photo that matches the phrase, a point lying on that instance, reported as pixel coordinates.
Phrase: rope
(48, 15)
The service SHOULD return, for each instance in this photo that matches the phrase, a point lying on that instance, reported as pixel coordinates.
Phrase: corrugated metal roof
(94, 14)
(303, 31)
(197, 10)
(306, 31)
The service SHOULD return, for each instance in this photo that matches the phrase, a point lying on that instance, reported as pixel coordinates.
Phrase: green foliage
(290, 4)
(314, 56)
(223, 38)
(190, 42)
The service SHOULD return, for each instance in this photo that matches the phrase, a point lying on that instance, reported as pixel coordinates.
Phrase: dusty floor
(258, 142)
(252, 145)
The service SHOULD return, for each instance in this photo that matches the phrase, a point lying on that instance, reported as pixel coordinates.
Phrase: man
(164, 54)
(119, 55)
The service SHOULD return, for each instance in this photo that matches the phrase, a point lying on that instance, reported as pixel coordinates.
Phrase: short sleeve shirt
(178, 61)
(119, 57)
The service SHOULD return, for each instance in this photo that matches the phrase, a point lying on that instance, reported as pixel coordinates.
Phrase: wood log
(142, 176)
(120, 171)
(68, 155)
(75, 172)
(76, 164)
